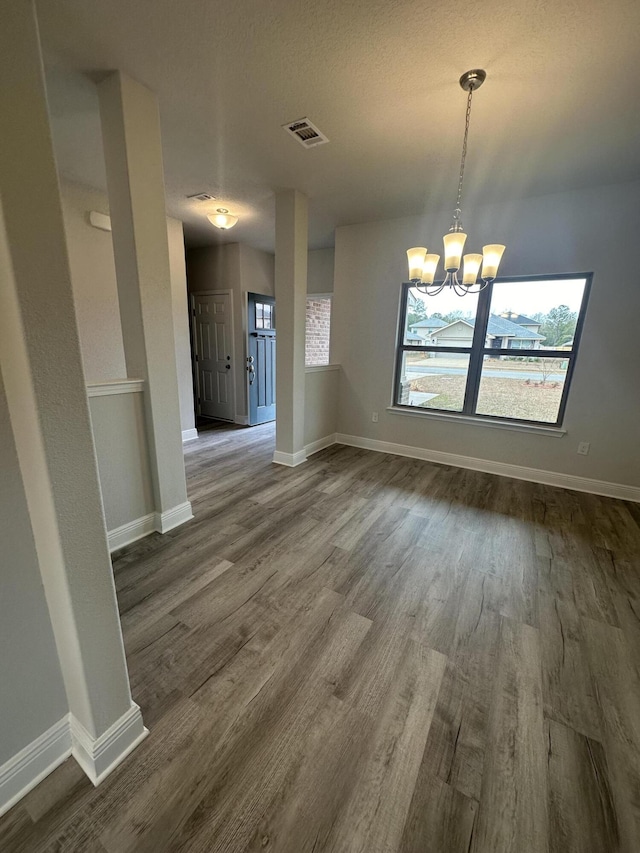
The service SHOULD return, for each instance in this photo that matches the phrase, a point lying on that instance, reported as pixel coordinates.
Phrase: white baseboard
(174, 517)
(21, 773)
(189, 435)
(320, 444)
(155, 522)
(99, 756)
(291, 460)
(518, 472)
(131, 532)
(241, 420)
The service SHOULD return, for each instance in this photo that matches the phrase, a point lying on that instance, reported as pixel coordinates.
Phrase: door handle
(227, 367)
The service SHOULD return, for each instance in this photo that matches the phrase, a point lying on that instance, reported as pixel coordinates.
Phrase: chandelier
(423, 266)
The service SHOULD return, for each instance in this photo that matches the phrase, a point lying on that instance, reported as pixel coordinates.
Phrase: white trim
(99, 756)
(537, 429)
(21, 773)
(174, 517)
(241, 420)
(320, 444)
(518, 472)
(317, 368)
(131, 531)
(291, 460)
(189, 435)
(115, 386)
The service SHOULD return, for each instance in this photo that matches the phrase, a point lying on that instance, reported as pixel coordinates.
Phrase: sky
(520, 297)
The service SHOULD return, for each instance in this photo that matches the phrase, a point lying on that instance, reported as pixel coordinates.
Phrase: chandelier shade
(423, 267)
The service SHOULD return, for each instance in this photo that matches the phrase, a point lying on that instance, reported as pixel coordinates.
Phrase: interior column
(135, 180)
(45, 388)
(291, 294)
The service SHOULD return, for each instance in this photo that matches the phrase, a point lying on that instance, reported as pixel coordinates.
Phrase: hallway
(368, 654)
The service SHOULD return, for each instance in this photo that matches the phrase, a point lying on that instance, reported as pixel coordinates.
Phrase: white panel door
(214, 354)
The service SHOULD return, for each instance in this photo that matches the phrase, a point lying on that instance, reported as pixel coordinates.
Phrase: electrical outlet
(374, 417)
(583, 448)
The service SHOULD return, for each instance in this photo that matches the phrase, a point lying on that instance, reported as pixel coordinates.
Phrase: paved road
(534, 375)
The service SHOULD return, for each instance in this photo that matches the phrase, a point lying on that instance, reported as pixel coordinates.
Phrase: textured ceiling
(559, 109)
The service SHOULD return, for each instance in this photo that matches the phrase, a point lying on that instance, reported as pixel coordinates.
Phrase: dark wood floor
(369, 654)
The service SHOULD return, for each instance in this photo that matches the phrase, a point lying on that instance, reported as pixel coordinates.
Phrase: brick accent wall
(318, 326)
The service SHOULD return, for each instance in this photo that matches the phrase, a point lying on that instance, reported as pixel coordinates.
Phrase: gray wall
(32, 694)
(589, 230)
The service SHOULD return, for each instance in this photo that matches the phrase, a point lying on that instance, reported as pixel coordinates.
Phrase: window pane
(534, 314)
(442, 320)
(521, 387)
(431, 382)
(318, 329)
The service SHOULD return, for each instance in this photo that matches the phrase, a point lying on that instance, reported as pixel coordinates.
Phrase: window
(317, 330)
(265, 315)
(456, 355)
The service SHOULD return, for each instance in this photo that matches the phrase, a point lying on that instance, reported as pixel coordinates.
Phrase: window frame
(478, 350)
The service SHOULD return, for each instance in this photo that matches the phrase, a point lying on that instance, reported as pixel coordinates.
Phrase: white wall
(123, 458)
(240, 269)
(93, 277)
(96, 296)
(179, 299)
(589, 230)
(320, 271)
(320, 403)
(32, 694)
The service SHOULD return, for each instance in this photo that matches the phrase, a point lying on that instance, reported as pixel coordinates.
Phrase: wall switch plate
(583, 448)
(374, 417)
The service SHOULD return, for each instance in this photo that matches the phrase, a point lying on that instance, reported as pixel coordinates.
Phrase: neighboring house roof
(433, 323)
(411, 337)
(519, 319)
(498, 327)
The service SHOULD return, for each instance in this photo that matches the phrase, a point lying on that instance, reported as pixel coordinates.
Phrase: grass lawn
(510, 398)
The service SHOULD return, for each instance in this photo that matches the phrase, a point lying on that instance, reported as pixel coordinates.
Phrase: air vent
(201, 197)
(306, 133)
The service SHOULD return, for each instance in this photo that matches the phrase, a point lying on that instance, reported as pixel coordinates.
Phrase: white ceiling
(559, 109)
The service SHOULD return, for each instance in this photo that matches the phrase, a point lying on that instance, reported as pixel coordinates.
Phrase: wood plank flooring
(369, 654)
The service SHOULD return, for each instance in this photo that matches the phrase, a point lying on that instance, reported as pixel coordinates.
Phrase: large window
(507, 353)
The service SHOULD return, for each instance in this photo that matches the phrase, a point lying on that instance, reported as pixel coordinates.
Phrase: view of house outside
(533, 316)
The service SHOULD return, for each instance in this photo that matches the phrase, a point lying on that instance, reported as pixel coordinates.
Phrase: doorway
(212, 317)
(261, 361)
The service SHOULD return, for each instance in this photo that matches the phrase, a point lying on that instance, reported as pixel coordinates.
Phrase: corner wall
(582, 231)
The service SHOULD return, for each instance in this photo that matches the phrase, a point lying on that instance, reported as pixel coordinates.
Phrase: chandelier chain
(464, 148)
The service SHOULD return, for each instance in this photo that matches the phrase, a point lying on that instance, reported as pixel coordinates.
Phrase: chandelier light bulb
(429, 268)
(470, 267)
(416, 261)
(453, 245)
(491, 260)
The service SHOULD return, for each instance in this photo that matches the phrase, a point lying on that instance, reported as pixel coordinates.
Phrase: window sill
(535, 429)
(316, 368)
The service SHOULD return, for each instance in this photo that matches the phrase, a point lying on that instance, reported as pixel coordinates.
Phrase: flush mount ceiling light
(222, 219)
(423, 266)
